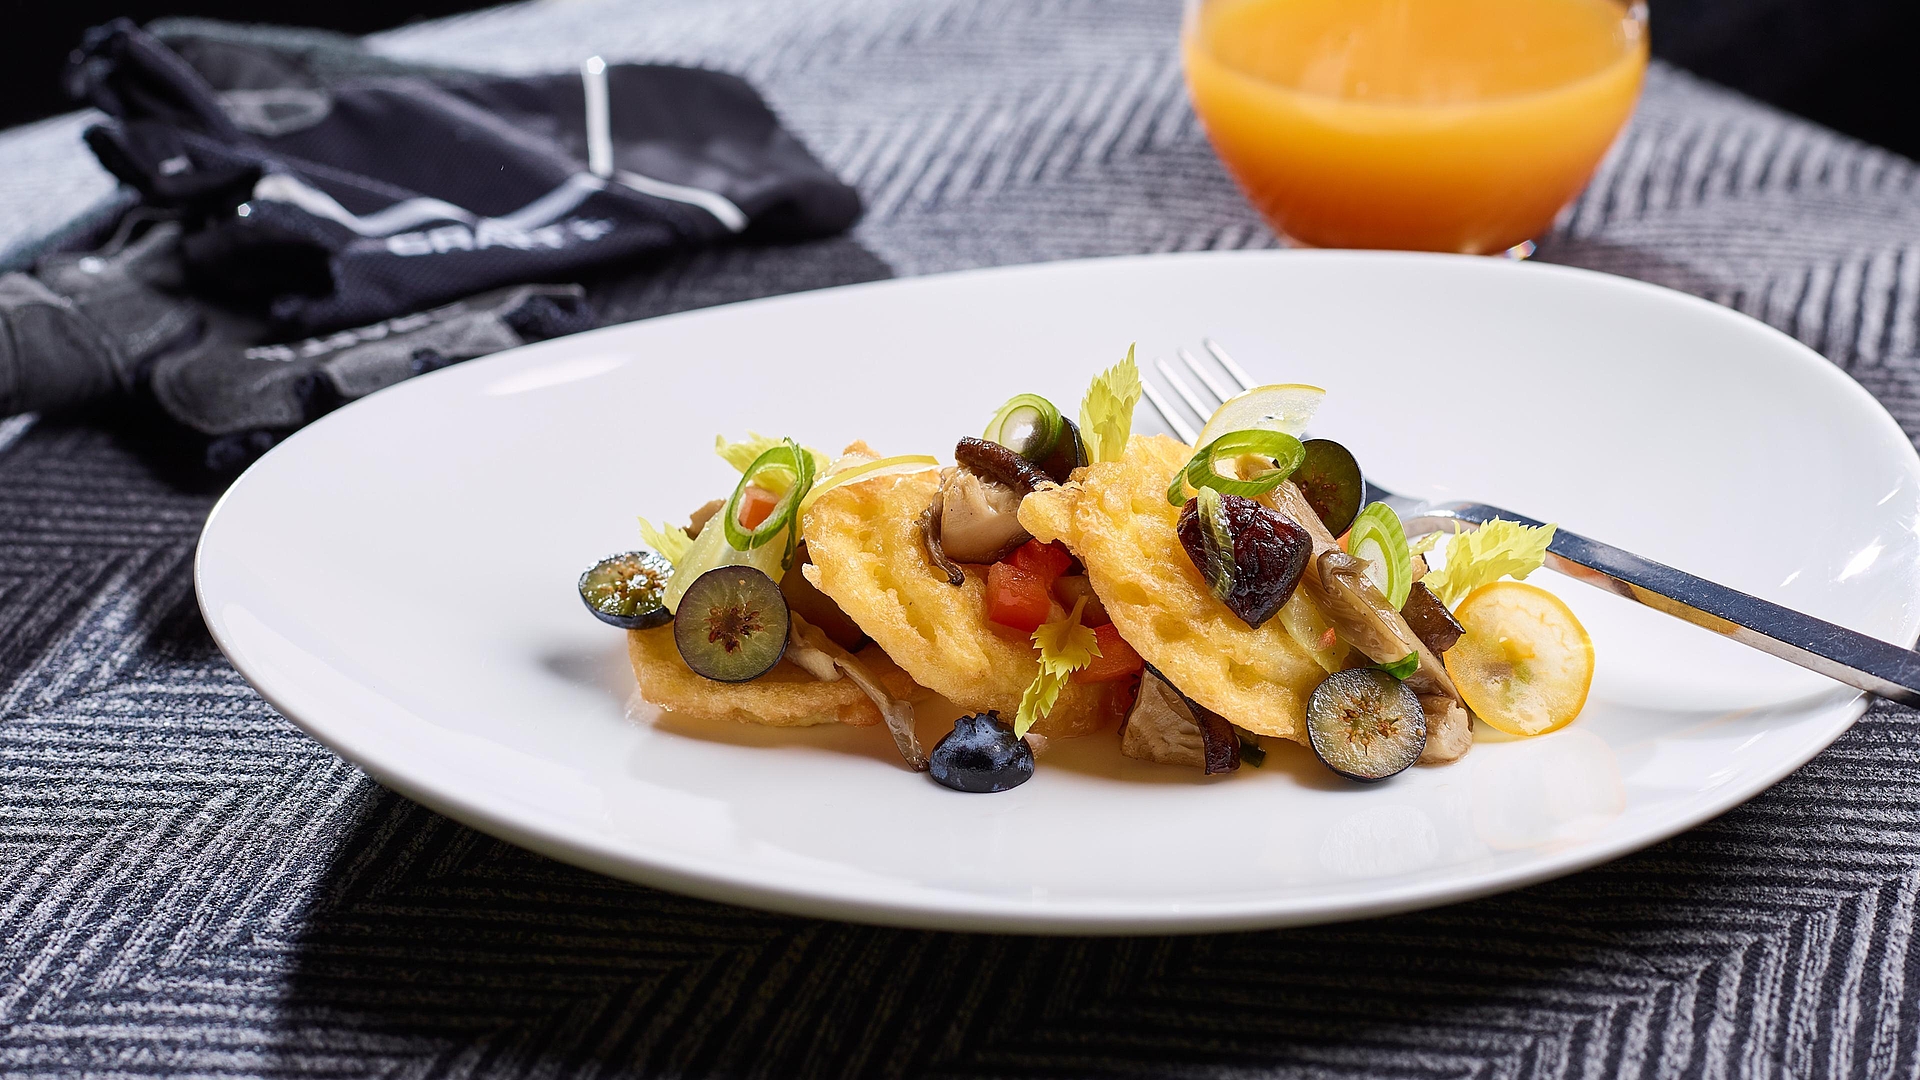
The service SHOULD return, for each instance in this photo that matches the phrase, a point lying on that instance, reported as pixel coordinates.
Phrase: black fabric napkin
(317, 222)
(336, 189)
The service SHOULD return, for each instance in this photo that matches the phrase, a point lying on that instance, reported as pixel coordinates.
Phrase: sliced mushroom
(1166, 726)
(1350, 600)
(897, 714)
(1449, 730)
(929, 525)
(1367, 620)
(996, 462)
(1362, 620)
(816, 661)
(979, 517)
(1430, 620)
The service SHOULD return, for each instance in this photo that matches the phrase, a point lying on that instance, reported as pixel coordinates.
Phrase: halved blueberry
(732, 624)
(1365, 724)
(627, 590)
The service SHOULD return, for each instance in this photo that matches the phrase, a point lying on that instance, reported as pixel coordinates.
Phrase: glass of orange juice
(1437, 125)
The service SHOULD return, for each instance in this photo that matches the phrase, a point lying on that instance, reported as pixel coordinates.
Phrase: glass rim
(1634, 13)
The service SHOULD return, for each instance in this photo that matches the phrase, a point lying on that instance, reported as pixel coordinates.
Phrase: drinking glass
(1435, 125)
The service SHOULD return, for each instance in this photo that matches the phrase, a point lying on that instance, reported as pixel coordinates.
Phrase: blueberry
(982, 754)
(732, 624)
(626, 590)
(1365, 724)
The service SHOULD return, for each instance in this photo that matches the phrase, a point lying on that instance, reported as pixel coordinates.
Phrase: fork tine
(1200, 408)
(1220, 393)
(1168, 414)
(1239, 373)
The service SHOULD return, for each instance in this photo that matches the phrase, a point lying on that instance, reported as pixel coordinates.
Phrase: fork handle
(1867, 663)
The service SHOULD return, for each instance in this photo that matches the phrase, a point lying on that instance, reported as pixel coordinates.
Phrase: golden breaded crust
(787, 696)
(868, 555)
(1116, 518)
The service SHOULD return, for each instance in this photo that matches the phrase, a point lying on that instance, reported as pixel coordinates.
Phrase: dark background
(1834, 61)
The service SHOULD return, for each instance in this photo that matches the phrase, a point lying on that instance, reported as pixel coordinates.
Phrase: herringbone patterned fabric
(190, 886)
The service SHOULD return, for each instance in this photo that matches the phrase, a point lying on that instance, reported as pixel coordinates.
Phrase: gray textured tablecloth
(188, 885)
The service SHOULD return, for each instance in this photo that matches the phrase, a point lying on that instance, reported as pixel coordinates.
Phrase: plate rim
(541, 833)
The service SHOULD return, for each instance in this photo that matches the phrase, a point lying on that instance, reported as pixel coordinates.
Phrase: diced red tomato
(756, 504)
(1016, 598)
(1117, 659)
(1045, 561)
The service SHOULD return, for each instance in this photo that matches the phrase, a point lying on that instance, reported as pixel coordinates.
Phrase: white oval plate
(398, 579)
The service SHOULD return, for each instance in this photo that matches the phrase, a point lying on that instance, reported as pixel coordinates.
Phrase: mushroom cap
(979, 518)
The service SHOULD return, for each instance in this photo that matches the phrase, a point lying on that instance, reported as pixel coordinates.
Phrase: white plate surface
(399, 580)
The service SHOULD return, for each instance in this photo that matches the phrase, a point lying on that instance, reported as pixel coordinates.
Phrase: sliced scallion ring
(1028, 425)
(1285, 451)
(886, 466)
(789, 456)
(1378, 538)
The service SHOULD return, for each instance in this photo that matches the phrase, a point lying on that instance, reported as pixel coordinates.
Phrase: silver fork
(1853, 658)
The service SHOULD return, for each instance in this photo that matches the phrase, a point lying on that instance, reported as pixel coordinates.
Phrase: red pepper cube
(1045, 561)
(1117, 659)
(1016, 598)
(756, 505)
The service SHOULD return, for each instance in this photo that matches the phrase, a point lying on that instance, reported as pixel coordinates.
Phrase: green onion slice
(872, 470)
(1028, 425)
(1286, 452)
(1378, 538)
(1402, 668)
(789, 456)
(1217, 542)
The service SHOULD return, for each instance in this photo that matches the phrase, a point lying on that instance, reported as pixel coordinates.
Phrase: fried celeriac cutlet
(870, 557)
(1116, 518)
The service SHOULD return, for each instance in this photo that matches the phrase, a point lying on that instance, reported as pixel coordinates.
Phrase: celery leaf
(1065, 647)
(671, 541)
(1498, 549)
(1106, 413)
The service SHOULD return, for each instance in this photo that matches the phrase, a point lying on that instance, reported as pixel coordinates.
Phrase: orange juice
(1442, 125)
